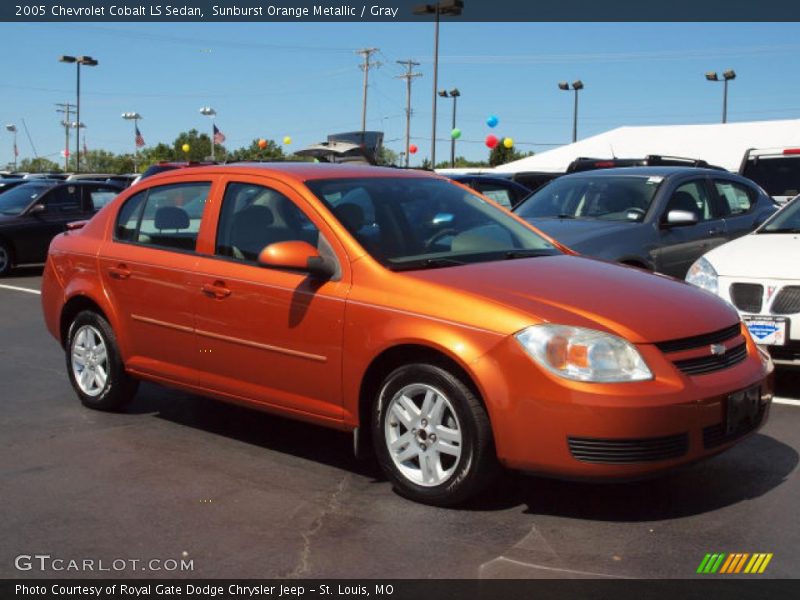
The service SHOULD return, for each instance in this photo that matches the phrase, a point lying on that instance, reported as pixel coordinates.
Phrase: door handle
(216, 290)
(121, 271)
(714, 231)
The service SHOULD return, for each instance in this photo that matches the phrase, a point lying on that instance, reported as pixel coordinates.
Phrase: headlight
(583, 354)
(703, 275)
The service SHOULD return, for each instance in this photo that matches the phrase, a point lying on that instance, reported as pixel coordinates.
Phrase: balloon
(508, 142)
(186, 148)
(262, 143)
(456, 133)
(412, 149)
(492, 121)
(491, 141)
(287, 140)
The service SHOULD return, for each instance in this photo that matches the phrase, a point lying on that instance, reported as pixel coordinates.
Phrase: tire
(6, 259)
(440, 451)
(98, 377)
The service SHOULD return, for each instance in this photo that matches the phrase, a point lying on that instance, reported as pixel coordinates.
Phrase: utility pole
(66, 109)
(366, 66)
(409, 75)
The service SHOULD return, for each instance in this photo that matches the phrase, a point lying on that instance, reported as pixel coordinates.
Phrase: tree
(38, 165)
(501, 155)
(199, 146)
(387, 156)
(254, 152)
(154, 154)
(462, 163)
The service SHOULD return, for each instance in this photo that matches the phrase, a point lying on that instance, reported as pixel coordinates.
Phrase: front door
(269, 335)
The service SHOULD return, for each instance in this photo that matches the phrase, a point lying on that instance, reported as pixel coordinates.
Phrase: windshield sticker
(655, 179)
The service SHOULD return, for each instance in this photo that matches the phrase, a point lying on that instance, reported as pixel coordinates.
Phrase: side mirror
(297, 255)
(36, 209)
(681, 217)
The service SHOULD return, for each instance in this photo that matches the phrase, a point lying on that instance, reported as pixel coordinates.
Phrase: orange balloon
(262, 143)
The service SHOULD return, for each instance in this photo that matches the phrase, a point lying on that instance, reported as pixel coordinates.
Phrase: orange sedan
(404, 308)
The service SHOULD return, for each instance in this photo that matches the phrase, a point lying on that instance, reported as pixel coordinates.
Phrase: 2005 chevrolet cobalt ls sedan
(407, 309)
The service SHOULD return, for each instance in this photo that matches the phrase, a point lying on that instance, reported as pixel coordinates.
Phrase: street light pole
(727, 76)
(577, 85)
(11, 128)
(454, 94)
(408, 76)
(89, 62)
(443, 7)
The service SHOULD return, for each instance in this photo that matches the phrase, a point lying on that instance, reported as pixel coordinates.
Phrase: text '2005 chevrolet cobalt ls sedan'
(407, 309)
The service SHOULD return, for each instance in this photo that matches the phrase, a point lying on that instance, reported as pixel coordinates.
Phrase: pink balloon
(491, 141)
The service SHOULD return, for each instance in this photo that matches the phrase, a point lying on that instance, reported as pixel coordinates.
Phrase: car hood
(574, 232)
(758, 256)
(635, 304)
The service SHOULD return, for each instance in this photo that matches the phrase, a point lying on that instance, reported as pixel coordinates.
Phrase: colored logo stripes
(737, 562)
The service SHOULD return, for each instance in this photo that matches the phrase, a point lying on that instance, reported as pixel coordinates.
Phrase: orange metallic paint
(279, 340)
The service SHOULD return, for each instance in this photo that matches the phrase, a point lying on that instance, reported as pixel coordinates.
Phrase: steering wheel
(438, 235)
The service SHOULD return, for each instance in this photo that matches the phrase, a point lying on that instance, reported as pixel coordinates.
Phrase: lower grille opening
(627, 451)
(715, 435)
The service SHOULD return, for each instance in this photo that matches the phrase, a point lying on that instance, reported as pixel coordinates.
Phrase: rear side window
(166, 217)
(778, 175)
(99, 197)
(736, 198)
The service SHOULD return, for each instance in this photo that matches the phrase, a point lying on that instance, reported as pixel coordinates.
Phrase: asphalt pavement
(237, 493)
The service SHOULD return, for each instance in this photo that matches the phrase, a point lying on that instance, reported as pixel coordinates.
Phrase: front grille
(715, 435)
(626, 451)
(747, 296)
(787, 302)
(710, 364)
(715, 337)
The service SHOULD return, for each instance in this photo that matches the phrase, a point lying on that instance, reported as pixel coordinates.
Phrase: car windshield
(778, 175)
(16, 200)
(786, 220)
(610, 198)
(419, 223)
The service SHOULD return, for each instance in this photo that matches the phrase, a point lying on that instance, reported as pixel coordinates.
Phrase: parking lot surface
(245, 494)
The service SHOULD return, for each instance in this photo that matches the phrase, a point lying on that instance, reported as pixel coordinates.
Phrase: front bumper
(549, 425)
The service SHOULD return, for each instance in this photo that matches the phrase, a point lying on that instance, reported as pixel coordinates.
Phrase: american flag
(139, 138)
(219, 137)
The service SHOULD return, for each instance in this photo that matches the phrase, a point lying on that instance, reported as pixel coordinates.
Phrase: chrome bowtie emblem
(717, 349)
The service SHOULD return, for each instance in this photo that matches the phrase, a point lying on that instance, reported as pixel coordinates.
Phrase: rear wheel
(432, 436)
(94, 364)
(5, 259)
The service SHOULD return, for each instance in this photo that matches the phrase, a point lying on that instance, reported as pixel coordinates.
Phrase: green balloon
(456, 133)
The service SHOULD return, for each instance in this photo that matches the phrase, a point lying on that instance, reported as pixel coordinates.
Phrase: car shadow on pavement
(749, 470)
(278, 434)
(31, 271)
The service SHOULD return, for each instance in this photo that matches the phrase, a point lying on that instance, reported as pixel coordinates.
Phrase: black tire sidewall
(469, 470)
(119, 387)
(9, 265)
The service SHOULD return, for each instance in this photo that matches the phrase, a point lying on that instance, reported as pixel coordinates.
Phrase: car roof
(300, 171)
(647, 172)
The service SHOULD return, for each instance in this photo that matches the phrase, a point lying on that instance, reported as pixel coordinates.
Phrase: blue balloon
(492, 121)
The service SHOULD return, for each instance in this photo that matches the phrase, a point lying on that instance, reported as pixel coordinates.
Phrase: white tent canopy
(719, 144)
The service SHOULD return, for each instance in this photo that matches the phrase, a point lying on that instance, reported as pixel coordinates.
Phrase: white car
(759, 274)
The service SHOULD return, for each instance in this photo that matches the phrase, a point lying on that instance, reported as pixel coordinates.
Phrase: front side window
(254, 216)
(416, 222)
(167, 216)
(692, 197)
(605, 197)
(16, 200)
(65, 199)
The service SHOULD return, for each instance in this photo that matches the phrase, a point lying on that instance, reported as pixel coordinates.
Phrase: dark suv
(777, 170)
(657, 218)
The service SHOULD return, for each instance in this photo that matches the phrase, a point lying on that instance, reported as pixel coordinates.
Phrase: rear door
(62, 205)
(147, 270)
(738, 202)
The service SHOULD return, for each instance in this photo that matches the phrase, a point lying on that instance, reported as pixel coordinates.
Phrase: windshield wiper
(781, 230)
(565, 216)
(529, 253)
(428, 263)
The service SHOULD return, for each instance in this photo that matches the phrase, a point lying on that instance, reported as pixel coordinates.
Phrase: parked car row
(449, 335)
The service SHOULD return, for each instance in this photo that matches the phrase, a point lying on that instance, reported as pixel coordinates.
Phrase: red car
(404, 308)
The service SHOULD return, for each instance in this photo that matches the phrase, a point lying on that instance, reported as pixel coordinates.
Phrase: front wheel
(94, 365)
(5, 259)
(432, 436)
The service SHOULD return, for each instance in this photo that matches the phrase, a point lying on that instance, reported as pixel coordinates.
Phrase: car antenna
(614, 156)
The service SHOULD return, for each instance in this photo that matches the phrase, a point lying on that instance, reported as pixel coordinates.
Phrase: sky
(302, 80)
